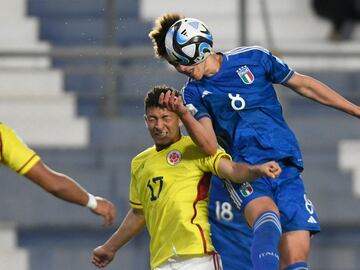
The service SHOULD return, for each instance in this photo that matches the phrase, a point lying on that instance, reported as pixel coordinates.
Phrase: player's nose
(185, 69)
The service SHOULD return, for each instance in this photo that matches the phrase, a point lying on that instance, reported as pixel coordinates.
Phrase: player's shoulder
(189, 149)
(190, 84)
(186, 146)
(142, 156)
(4, 127)
(6, 132)
(187, 141)
(250, 52)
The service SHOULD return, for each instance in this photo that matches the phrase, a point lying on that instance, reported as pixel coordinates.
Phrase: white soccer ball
(188, 42)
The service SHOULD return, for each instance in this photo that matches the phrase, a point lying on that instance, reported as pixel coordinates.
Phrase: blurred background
(73, 75)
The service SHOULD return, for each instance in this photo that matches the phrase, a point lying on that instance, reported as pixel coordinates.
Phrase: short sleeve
(277, 70)
(193, 101)
(211, 163)
(134, 198)
(15, 154)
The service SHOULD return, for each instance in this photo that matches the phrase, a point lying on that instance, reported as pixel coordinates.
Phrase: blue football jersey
(247, 117)
(242, 103)
(230, 234)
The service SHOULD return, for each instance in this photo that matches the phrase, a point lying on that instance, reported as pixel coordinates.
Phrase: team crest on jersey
(246, 189)
(174, 157)
(245, 75)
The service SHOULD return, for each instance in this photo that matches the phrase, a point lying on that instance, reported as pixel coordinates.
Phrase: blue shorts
(230, 234)
(287, 191)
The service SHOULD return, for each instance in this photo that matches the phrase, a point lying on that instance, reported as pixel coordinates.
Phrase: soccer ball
(188, 42)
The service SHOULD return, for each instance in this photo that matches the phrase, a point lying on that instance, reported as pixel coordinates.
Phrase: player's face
(195, 72)
(163, 125)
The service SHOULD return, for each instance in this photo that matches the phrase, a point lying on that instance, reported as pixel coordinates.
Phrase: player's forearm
(132, 224)
(238, 172)
(244, 172)
(69, 190)
(201, 136)
(318, 91)
(58, 184)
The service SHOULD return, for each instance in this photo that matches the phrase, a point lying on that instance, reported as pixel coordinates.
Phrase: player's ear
(145, 120)
(180, 123)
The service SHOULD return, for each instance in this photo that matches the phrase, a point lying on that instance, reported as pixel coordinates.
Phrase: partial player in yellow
(169, 194)
(23, 160)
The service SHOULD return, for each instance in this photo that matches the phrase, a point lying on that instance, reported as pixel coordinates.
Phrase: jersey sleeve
(134, 198)
(15, 154)
(192, 100)
(277, 70)
(211, 163)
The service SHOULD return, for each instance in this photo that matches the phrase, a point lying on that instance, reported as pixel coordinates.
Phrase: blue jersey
(230, 234)
(242, 103)
(247, 117)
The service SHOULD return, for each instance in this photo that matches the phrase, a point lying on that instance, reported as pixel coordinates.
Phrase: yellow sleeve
(212, 162)
(134, 198)
(14, 153)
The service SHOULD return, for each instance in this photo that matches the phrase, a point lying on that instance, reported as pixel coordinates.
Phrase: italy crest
(245, 75)
(246, 189)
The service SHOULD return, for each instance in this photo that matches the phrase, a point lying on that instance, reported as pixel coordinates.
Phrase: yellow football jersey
(14, 153)
(171, 187)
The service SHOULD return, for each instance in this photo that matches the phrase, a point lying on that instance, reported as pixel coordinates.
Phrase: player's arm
(318, 91)
(64, 187)
(201, 132)
(243, 172)
(132, 224)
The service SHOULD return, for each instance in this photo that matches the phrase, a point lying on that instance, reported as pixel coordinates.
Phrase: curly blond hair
(158, 33)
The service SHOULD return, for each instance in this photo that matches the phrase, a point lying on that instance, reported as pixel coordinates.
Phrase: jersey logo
(311, 220)
(235, 100)
(246, 189)
(205, 93)
(174, 157)
(245, 75)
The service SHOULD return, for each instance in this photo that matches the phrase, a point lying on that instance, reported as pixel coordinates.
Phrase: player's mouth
(160, 135)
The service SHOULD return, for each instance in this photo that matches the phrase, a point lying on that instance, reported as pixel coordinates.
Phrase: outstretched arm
(64, 187)
(243, 172)
(318, 91)
(201, 132)
(132, 224)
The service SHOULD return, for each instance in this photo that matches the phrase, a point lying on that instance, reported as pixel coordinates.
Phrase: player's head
(158, 33)
(163, 125)
(181, 41)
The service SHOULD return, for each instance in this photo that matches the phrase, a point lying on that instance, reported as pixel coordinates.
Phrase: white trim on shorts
(206, 262)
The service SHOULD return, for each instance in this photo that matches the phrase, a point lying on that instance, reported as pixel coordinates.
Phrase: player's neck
(213, 64)
(160, 147)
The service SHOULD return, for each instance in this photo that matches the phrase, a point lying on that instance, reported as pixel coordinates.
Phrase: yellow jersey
(171, 187)
(14, 153)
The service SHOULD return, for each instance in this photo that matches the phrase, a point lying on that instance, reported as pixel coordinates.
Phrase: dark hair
(152, 96)
(158, 33)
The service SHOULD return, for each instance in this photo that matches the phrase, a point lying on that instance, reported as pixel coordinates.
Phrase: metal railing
(109, 66)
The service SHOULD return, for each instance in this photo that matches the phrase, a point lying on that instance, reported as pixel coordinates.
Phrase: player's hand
(106, 209)
(270, 169)
(101, 256)
(172, 103)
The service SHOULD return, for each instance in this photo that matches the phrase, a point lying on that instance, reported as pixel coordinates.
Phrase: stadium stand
(11, 256)
(32, 100)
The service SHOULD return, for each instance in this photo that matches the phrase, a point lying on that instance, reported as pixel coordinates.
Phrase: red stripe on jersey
(202, 193)
(216, 261)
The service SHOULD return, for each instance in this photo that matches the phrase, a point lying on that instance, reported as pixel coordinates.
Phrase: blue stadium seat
(70, 31)
(80, 8)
